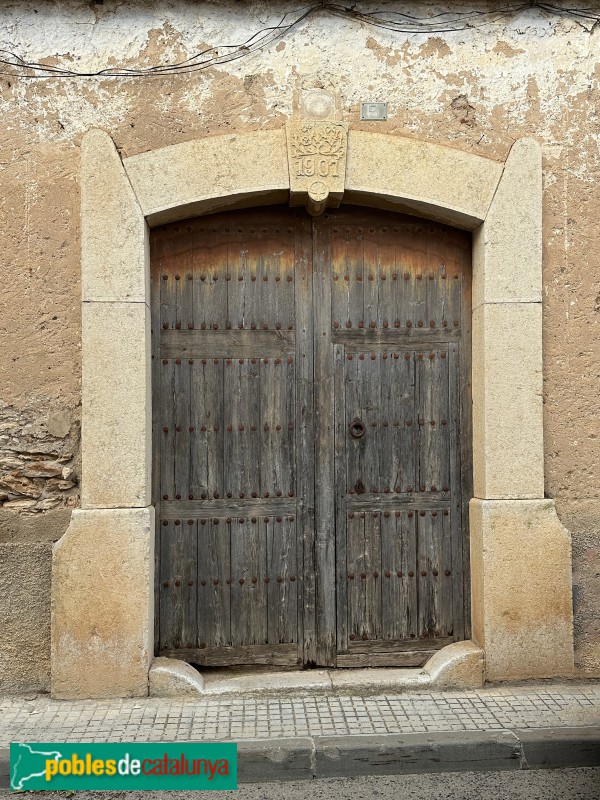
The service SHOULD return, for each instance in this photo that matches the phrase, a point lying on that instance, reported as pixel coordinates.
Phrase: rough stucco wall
(25, 617)
(477, 90)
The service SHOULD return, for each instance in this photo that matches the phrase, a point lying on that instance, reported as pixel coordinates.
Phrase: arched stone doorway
(102, 591)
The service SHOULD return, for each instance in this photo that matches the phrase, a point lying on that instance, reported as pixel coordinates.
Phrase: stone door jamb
(103, 567)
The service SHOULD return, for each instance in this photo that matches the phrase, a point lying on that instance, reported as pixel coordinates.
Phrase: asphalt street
(549, 784)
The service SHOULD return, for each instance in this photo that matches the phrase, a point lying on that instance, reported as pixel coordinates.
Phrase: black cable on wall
(395, 21)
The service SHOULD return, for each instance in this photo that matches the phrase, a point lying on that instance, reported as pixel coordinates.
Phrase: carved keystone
(317, 163)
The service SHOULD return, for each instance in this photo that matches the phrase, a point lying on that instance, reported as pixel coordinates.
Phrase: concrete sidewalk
(287, 737)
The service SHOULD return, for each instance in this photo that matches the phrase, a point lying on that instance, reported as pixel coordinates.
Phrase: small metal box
(373, 111)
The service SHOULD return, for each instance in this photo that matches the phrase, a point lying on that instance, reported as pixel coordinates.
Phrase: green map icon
(26, 763)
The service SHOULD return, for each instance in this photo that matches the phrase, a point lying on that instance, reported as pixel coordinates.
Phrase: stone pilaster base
(102, 604)
(521, 589)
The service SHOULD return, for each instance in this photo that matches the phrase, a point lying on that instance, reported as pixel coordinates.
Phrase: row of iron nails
(277, 326)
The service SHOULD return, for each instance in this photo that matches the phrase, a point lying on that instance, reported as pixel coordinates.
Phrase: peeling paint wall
(478, 90)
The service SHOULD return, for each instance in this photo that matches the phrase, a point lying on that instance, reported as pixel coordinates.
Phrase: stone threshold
(456, 666)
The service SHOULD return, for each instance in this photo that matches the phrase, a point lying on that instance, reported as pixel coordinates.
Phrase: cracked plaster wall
(477, 90)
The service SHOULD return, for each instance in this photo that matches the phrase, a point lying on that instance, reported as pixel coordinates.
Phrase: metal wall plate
(374, 111)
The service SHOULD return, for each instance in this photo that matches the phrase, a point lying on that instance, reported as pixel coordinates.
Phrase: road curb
(305, 758)
(392, 754)
(275, 759)
(551, 748)
(4, 767)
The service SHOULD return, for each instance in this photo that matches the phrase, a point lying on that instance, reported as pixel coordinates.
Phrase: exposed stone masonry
(37, 460)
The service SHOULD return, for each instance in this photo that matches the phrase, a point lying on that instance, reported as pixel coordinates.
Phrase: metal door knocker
(357, 428)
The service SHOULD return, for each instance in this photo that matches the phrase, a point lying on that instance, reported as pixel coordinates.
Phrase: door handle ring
(357, 428)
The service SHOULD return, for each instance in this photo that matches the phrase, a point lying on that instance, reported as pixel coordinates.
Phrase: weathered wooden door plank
(304, 439)
(325, 534)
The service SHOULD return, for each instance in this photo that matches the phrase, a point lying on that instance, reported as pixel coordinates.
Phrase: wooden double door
(311, 416)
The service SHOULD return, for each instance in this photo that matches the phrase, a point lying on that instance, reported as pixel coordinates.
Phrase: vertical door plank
(453, 301)
(184, 288)
(213, 422)
(252, 283)
(215, 285)
(405, 414)
(389, 467)
(341, 489)
(356, 280)
(371, 416)
(460, 486)
(393, 614)
(288, 421)
(182, 425)
(236, 276)
(253, 428)
(156, 277)
(353, 410)
(272, 405)
(463, 379)
(371, 280)
(417, 286)
(341, 284)
(427, 561)
(436, 286)
(214, 626)
(235, 398)
(199, 436)
(409, 568)
(282, 576)
(167, 429)
(399, 587)
(401, 290)
(356, 568)
(325, 544)
(304, 430)
(372, 584)
(448, 619)
(178, 607)
(387, 277)
(436, 611)
(248, 587)
(434, 436)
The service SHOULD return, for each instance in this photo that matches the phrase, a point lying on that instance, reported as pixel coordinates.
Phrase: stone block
(317, 163)
(116, 436)
(103, 605)
(211, 174)
(248, 682)
(456, 666)
(170, 677)
(508, 447)
(114, 234)
(25, 574)
(426, 179)
(507, 248)
(521, 589)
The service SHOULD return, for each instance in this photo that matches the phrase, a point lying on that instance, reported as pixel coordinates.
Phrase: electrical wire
(394, 21)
